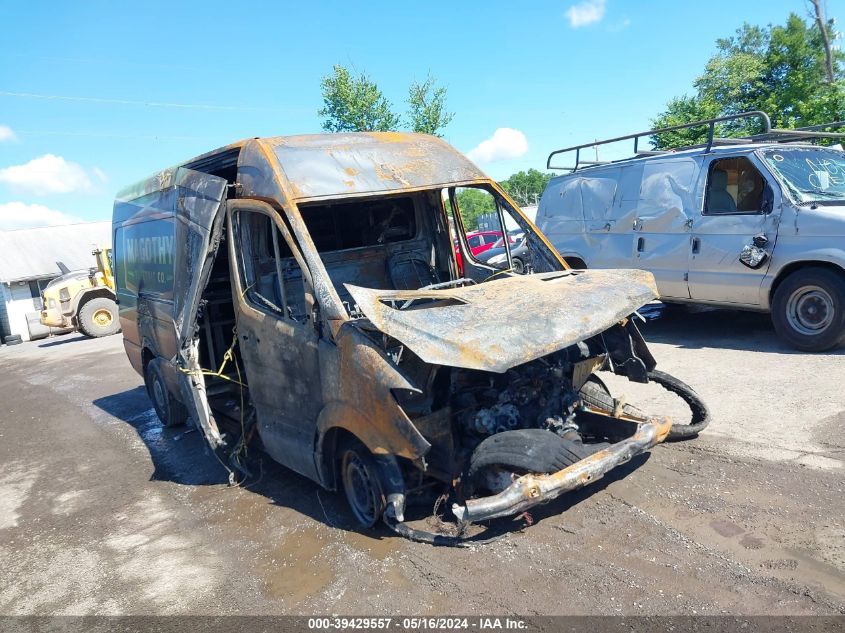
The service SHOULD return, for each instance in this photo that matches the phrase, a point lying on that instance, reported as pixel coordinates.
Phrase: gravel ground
(104, 512)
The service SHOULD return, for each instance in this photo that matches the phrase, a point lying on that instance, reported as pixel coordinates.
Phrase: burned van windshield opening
(386, 242)
(491, 236)
(336, 227)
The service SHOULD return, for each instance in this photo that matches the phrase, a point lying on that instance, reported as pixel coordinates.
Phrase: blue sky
(155, 83)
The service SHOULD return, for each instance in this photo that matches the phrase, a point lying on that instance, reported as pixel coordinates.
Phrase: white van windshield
(811, 174)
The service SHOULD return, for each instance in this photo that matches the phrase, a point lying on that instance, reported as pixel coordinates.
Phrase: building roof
(33, 253)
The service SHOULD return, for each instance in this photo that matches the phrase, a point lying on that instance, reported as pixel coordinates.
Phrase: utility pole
(828, 54)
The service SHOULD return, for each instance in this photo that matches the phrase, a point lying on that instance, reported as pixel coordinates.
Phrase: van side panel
(606, 216)
(144, 243)
(560, 216)
(162, 234)
(664, 214)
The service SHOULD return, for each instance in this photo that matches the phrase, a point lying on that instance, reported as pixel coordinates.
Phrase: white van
(753, 223)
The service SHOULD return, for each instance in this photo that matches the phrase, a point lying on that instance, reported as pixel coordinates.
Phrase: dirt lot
(104, 512)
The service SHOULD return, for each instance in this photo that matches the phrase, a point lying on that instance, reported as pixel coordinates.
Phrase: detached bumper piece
(531, 490)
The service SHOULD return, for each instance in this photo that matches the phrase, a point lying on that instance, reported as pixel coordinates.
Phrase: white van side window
(598, 194)
(734, 185)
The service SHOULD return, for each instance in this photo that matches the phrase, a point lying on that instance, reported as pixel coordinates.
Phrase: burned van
(302, 294)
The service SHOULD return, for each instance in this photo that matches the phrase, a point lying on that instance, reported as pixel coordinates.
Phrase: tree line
(792, 71)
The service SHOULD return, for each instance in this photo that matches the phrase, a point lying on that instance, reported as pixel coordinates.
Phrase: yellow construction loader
(83, 299)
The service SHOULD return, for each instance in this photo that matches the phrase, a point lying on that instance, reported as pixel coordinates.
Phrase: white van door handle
(602, 227)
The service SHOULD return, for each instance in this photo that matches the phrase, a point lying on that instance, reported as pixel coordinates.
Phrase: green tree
(474, 203)
(355, 104)
(525, 187)
(782, 70)
(427, 107)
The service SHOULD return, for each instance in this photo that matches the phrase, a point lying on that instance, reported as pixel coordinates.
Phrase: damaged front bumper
(531, 490)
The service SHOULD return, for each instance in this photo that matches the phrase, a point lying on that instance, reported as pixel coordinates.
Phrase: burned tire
(700, 415)
(98, 317)
(14, 339)
(169, 410)
(523, 451)
(361, 483)
(808, 309)
(596, 394)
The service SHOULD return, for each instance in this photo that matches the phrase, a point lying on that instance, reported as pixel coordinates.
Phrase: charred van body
(310, 300)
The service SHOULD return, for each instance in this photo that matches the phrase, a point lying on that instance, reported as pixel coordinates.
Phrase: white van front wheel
(808, 309)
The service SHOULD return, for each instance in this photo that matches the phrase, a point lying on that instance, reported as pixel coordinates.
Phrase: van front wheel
(362, 484)
(808, 309)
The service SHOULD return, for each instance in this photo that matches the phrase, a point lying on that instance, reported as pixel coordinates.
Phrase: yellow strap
(229, 355)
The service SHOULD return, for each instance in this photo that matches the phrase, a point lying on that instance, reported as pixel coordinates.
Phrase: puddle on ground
(376, 546)
(296, 568)
(751, 542)
(395, 580)
(725, 528)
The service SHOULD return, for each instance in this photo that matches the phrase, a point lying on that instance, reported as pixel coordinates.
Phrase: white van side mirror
(754, 255)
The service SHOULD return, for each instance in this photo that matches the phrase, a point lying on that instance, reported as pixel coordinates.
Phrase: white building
(28, 261)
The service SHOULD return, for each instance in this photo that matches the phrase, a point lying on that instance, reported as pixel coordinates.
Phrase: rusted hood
(507, 322)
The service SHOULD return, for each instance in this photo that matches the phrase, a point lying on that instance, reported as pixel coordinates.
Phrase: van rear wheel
(98, 317)
(808, 309)
(169, 410)
(361, 483)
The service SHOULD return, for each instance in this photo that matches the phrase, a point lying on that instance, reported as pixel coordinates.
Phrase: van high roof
(315, 166)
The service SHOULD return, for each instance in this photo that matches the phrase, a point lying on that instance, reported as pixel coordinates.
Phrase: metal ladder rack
(769, 134)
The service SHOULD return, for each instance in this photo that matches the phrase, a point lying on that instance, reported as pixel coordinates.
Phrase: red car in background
(479, 241)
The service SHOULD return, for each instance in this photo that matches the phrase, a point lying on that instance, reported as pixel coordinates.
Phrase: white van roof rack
(769, 134)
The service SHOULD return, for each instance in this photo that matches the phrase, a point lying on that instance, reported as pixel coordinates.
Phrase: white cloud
(6, 134)
(45, 175)
(20, 215)
(585, 13)
(504, 144)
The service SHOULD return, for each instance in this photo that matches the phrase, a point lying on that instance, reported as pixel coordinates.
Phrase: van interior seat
(409, 270)
(719, 200)
(402, 269)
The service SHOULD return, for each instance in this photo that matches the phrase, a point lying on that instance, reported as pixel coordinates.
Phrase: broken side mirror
(754, 255)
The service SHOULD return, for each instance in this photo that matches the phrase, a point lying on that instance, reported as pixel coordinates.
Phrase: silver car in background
(755, 223)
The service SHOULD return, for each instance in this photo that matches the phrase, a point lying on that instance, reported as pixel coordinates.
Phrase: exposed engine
(537, 395)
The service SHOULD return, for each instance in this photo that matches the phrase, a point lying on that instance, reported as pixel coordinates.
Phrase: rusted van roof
(330, 165)
(320, 165)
